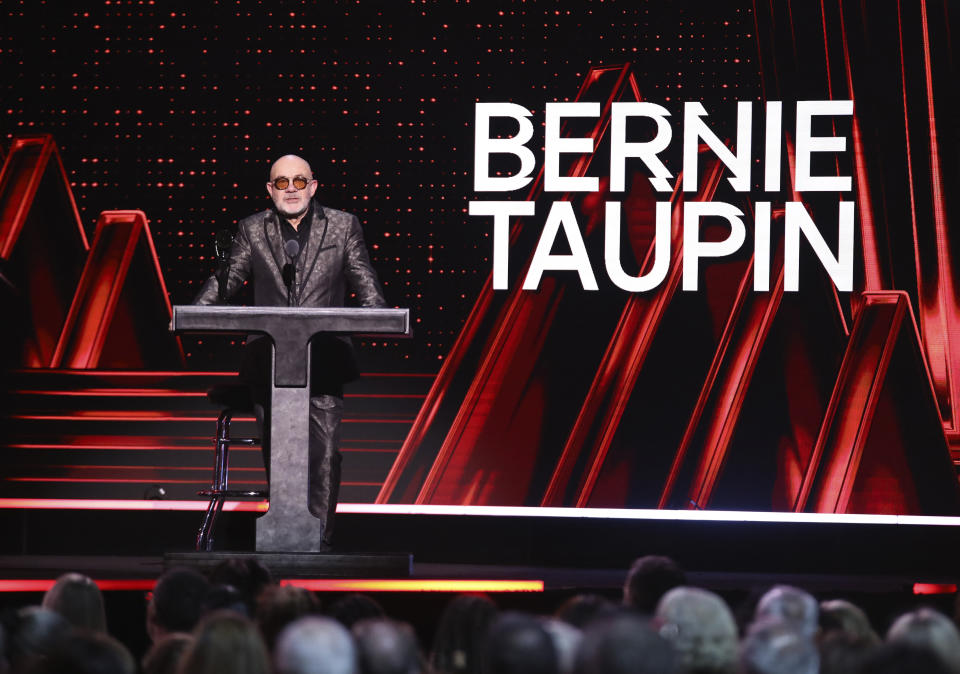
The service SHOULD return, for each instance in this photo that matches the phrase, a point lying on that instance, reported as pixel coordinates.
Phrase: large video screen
(659, 255)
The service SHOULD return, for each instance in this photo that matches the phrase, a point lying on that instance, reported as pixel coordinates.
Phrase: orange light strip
(413, 585)
(315, 585)
(117, 504)
(36, 585)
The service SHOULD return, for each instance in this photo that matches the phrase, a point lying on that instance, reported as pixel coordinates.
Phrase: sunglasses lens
(281, 183)
(299, 182)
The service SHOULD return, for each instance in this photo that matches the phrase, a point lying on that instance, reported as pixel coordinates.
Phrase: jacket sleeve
(360, 274)
(237, 273)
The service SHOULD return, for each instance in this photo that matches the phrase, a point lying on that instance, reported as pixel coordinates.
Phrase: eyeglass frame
(290, 181)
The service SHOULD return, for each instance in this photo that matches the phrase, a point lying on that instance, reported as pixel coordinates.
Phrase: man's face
(290, 201)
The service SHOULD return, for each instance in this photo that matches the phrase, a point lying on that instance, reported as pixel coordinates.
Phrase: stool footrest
(232, 493)
(243, 441)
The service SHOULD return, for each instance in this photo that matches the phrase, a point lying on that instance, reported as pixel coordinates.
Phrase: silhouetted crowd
(238, 621)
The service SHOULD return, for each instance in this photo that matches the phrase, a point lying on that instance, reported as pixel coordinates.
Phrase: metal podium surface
(288, 526)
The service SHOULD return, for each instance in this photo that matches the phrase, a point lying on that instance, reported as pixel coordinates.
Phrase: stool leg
(204, 543)
(221, 447)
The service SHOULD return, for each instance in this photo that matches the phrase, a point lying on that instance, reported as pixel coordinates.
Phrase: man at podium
(299, 253)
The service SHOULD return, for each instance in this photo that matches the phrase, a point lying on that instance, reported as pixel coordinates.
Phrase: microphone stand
(292, 249)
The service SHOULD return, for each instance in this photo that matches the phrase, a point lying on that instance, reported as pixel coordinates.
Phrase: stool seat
(233, 398)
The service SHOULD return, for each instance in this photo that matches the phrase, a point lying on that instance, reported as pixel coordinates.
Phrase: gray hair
(566, 639)
(315, 645)
(931, 631)
(701, 628)
(791, 605)
(776, 647)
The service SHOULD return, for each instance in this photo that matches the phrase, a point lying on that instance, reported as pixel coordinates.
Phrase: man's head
(291, 185)
(177, 602)
(701, 629)
(315, 645)
(649, 579)
(791, 605)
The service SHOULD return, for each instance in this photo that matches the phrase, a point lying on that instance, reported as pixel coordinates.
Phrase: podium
(288, 525)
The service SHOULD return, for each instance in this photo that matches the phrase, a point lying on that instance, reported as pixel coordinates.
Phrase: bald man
(328, 254)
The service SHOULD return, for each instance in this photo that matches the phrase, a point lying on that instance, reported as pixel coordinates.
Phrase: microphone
(289, 272)
(222, 243)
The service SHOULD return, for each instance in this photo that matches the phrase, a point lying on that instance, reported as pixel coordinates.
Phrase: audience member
(280, 605)
(77, 598)
(930, 630)
(582, 609)
(624, 644)
(176, 603)
(841, 653)
(247, 575)
(648, 579)
(790, 605)
(386, 647)
(165, 655)
(224, 598)
(32, 634)
(518, 644)
(566, 641)
(903, 658)
(839, 615)
(461, 634)
(225, 642)
(315, 645)
(701, 629)
(773, 646)
(86, 652)
(353, 608)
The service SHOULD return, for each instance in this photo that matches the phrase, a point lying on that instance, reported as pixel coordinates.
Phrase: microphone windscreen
(222, 243)
(292, 248)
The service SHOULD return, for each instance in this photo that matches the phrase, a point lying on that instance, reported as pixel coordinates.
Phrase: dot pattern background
(178, 108)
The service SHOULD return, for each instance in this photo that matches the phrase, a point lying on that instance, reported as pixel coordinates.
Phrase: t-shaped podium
(288, 526)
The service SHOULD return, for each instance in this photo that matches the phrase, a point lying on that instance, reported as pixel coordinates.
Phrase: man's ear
(313, 187)
(269, 190)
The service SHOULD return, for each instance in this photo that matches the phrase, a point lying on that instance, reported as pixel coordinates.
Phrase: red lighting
(934, 588)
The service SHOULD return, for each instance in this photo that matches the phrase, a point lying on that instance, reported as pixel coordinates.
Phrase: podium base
(304, 564)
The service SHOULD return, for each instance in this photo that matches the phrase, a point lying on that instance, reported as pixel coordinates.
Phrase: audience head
(33, 634)
(582, 609)
(280, 605)
(902, 658)
(624, 644)
(164, 656)
(315, 645)
(701, 629)
(839, 615)
(86, 652)
(841, 653)
(775, 647)
(224, 598)
(930, 630)
(461, 634)
(386, 647)
(566, 641)
(518, 644)
(77, 598)
(247, 575)
(177, 602)
(648, 580)
(225, 642)
(355, 607)
(790, 605)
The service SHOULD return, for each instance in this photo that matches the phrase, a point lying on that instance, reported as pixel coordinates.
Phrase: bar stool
(233, 398)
